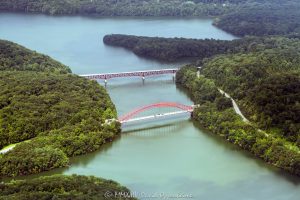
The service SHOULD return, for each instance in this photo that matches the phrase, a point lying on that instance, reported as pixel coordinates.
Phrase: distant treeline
(132, 7)
(53, 113)
(63, 187)
(239, 17)
(121, 8)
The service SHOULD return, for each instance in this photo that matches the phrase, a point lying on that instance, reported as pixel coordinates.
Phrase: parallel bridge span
(129, 117)
(156, 117)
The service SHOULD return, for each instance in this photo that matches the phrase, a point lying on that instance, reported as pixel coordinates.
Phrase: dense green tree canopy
(168, 49)
(34, 103)
(267, 85)
(63, 187)
(54, 114)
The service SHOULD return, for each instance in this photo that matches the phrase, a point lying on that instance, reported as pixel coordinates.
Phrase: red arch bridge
(141, 74)
(131, 116)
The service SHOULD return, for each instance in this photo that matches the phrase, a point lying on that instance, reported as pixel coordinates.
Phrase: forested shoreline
(267, 86)
(216, 114)
(52, 113)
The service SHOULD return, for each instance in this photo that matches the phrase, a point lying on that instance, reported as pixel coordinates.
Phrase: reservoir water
(173, 157)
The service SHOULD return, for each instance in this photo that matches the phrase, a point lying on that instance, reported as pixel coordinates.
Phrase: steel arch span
(155, 105)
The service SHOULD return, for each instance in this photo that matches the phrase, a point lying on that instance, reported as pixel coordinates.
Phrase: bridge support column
(198, 72)
(105, 82)
(174, 77)
(143, 79)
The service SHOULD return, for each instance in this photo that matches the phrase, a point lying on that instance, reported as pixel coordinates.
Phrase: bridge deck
(130, 74)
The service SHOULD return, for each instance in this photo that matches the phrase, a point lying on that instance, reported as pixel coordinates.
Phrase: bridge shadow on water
(137, 82)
